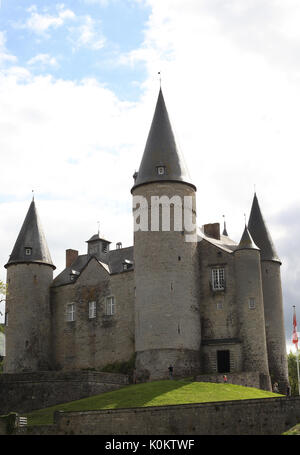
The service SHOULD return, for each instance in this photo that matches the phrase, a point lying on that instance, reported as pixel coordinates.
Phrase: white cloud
(41, 23)
(87, 34)
(5, 57)
(43, 59)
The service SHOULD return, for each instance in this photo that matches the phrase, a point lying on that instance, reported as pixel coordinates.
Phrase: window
(104, 247)
(110, 306)
(219, 305)
(70, 314)
(218, 279)
(251, 304)
(28, 251)
(92, 310)
(161, 170)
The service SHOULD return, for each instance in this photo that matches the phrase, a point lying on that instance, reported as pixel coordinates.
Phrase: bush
(120, 367)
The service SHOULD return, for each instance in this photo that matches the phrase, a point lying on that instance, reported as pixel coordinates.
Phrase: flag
(295, 334)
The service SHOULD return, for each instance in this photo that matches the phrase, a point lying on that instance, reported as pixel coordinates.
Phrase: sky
(78, 87)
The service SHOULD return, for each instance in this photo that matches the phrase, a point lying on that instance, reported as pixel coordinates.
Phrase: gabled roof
(31, 237)
(162, 151)
(260, 233)
(246, 242)
(115, 259)
(224, 243)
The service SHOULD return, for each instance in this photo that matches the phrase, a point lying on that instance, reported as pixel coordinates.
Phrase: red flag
(295, 334)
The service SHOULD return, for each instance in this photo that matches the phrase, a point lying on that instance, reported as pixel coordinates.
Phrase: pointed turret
(162, 160)
(31, 245)
(246, 242)
(29, 277)
(260, 233)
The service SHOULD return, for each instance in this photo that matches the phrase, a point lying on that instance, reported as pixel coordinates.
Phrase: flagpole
(298, 371)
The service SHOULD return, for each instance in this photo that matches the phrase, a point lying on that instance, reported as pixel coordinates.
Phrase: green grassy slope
(157, 393)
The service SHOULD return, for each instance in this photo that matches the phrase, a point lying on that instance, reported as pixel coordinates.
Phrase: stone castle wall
(167, 298)
(28, 336)
(241, 417)
(93, 342)
(28, 391)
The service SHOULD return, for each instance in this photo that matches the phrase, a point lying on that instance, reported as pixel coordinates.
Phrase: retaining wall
(268, 416)
(24, 392)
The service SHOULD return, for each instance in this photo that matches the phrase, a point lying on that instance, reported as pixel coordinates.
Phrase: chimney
(71, 256)
(212, 230)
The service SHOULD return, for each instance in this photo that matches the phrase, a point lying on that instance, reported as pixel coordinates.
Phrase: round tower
(251, 309)
(272, 294)
(29, 277)
(167, 298)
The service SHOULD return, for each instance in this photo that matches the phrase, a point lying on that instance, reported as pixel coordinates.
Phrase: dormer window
(28, 251)
(74, 274)
(127, 264)
(161, 170)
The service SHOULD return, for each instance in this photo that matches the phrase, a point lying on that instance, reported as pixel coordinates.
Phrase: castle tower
(166, 303)
(250, 307)
(29, 276)
(272, 292)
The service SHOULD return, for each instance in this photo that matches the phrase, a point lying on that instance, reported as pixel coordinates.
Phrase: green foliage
(293, 375)
(120, 367)
(157, 393)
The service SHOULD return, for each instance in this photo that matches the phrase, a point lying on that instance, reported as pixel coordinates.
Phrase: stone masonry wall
(268, 416)
(219, 317)
(29, 391)
(93, 342)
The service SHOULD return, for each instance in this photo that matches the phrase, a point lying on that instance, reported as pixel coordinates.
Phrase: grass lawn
(157, 393)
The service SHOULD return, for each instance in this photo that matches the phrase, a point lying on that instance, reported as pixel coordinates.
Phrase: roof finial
(224, 230)
(32, 194)
(245, 219)
(159, 78)
(254, 188)
(98, 223)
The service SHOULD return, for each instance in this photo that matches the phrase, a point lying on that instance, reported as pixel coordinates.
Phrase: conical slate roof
(225, 230)
(260, 233)
(161, 151)
(246, 242)
(32, 240)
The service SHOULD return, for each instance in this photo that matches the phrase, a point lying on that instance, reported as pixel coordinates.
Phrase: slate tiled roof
(246, 242)
(260, 233)
(115, 260)
(161, 150)
(31, 237)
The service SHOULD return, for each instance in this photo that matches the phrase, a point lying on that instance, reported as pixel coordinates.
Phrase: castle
(204, 304)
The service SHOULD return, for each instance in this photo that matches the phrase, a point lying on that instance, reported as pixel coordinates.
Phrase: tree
(293, 375)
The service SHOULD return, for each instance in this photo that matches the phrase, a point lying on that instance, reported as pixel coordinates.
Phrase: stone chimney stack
(212, 230)
(71, 256)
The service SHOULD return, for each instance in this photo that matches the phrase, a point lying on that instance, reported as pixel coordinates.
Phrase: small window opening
(251, 304)
(92, 310)
(161, 170)
(28, 251)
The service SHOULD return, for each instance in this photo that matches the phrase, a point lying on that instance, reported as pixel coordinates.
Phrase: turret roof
(260, 233)
(246, 242)
(32, 239)
(161, 151)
